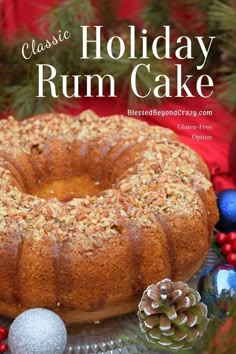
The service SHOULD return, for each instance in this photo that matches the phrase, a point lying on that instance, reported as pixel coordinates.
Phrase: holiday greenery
(19, 76)
(211, 18)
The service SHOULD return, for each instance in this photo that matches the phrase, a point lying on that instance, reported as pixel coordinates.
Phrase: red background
(22, 16)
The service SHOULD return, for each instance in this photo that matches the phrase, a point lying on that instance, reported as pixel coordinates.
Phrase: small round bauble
(37, 331)
(217, 287)
(226, 201)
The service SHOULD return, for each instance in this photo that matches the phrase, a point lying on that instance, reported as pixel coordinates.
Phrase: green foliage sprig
(223, 15)
(212, 18)
(19, 76)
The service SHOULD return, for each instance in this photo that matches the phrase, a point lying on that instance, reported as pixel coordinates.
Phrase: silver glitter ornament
(37, 331)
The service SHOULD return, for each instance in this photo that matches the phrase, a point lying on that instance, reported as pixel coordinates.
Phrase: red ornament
(231, 237)
(234, 246)
(227, 245)
(226, 249)
(221, 238)
(3, 333)
(231, 258)
(3, 347)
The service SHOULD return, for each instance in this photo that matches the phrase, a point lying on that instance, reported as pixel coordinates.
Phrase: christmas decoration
(3, 333)
(19, 86)
(3, 336)
(231, 237)
(226, 201)
(234, 246)
(37, 331)
(207, 344)
(3, 347)
(217, 287)
(227, 245)
(221, 238)
(210, 18)
(172, 315)
(226, 249)
(231, 258)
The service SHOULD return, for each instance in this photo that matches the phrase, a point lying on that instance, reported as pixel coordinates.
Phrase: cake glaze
(93, 210)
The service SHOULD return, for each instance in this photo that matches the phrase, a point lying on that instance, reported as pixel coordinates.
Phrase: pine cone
(172, 315)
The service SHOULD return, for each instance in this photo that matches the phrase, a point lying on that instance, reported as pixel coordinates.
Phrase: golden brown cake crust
(147, 212)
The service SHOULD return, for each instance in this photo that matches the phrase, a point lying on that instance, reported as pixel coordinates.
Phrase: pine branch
(19, 76)
(69, 16)
(199, 4)
(223, 15)
(227, 90)
(19, 89)
(210, 18)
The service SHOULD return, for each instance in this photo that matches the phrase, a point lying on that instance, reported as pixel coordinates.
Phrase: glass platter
(108, 336)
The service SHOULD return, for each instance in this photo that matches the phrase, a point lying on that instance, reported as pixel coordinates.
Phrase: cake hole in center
(63, 170)
(65, 189)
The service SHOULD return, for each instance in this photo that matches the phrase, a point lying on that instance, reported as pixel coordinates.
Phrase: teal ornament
(226, 201)
(217, 287)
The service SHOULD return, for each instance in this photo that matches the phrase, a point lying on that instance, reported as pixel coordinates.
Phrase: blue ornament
(217, 287)
(37, 331)
(226, 201)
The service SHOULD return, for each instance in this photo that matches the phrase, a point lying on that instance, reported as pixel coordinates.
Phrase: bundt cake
(93, 210)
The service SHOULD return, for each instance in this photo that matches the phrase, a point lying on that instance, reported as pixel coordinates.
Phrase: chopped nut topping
(161, 176)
